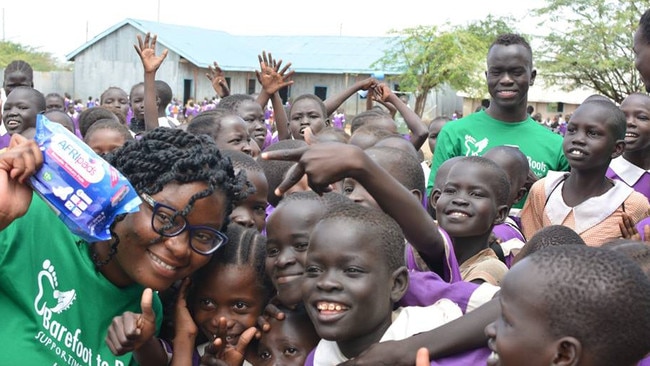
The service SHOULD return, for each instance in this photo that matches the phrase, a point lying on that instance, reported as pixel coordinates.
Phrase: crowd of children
(313, 243)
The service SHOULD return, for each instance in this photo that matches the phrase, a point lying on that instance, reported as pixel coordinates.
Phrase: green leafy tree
(425, 58)
(589, 44)
(39, 61)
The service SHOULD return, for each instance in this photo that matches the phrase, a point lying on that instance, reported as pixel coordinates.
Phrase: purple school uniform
(507, 231)
(630, 174)
(425, 288)
(338, 120)
(451, 268)
(644, 362)
(4, 140)
(269, 139)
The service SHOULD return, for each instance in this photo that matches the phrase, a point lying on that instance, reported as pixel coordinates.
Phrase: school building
(323, 65)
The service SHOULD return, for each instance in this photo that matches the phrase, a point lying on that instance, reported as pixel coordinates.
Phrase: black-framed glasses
(166, 221)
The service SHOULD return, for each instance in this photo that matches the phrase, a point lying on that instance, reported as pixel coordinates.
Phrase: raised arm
(274, 77)
(146, 49)
(335, 101)
(419, 132)
(323, 166)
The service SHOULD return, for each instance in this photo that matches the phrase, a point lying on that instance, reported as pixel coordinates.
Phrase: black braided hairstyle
(18, 67)
(166, 155)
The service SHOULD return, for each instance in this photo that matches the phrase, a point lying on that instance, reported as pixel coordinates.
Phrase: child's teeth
(331, 307)
(338, 308)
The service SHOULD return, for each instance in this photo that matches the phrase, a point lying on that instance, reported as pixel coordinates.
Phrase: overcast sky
(60, 27)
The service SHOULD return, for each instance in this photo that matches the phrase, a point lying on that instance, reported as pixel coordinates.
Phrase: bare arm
(335, 101)
(419, 132)
(274, 77)
(463, 334)
(146, 49)
(323, 167)
(281, 119)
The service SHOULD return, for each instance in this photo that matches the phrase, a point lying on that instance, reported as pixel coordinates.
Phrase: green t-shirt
(55, 306)
(478, 132)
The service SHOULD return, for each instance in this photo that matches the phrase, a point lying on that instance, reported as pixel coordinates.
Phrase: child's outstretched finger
(285, 154)
(273, 311)
(245, 339)
(294, 175)
(422, 357)
(308, 135)
(646, 233)
(140, 43)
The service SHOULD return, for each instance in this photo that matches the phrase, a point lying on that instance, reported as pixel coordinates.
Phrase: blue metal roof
(307, 54)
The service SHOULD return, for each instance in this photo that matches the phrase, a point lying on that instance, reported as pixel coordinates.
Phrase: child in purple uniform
(633, 166)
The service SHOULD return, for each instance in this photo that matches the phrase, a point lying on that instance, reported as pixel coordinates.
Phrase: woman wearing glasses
(59, 294)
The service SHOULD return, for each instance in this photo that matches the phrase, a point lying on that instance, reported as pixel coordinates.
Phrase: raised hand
(19, 162)
(270, 311)
(218, 80)
(320, 163)
(184, 324)
(129, 331)
(271, 76)
(367, 84)
(220, 352)
(380, 92)
(146, 49)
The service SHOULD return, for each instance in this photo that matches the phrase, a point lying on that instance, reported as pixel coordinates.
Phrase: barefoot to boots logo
(65, 342)
(56, 337)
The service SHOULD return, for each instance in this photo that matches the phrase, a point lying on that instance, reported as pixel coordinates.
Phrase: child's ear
(502, 214)
(417, 194)
(400, 283)
(158, 101)
(522, 192)
(568, 352)
(435, 195)
(619, 148)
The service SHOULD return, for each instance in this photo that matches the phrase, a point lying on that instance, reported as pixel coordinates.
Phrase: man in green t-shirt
(505, 122)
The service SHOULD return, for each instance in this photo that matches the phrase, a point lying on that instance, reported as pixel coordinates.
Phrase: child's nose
(245, 219)
(246, 148)
(459, 200)
(329, 283)
(285, 258)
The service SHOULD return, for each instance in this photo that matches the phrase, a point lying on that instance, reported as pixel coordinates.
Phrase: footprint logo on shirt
(49, 295)
(473, 147)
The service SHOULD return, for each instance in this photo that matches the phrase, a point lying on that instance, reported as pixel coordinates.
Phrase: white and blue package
(85, 191)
